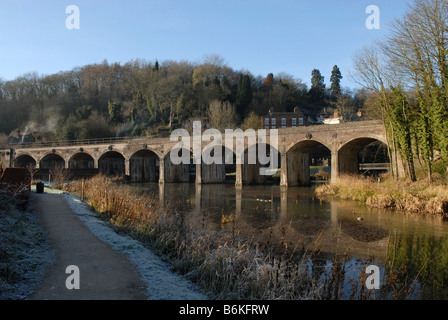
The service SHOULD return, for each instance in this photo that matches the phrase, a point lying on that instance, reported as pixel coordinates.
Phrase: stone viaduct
(149, 160)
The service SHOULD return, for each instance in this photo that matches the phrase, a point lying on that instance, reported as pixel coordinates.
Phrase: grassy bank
(24, 251)
(224, 262)
(404, 195)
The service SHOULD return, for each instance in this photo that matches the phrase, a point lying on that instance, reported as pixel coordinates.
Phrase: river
(415, 245)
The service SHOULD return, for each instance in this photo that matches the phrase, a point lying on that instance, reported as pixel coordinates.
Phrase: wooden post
(82, 190)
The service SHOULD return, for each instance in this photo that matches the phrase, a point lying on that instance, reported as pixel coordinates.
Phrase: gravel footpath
(112, 266)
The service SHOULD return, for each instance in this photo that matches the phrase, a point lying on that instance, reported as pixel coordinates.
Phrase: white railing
(374, 166)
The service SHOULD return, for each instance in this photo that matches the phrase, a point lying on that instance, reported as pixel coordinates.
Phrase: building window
(273, 121)
(294, 121)
(266, 120)
(266, 127)
(300, 121)
(283, 127)
(283, 121)
(273, 127)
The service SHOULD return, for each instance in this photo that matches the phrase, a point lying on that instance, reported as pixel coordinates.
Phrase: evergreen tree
(335, 80)
(115, 114)
(317, 91)
(244, 94)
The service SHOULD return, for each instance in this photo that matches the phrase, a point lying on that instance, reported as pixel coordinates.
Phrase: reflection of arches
(112, 163)
(349, 154)
(311, 226)
(144, 166)
(25, 161)
(183, 171)
(81, 161)
(52, 161)
(217, 168)
(362, 232)
(301, 156)
(258, 157)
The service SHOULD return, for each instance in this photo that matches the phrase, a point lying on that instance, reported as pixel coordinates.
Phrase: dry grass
(226, 262)
(58, 176)
(24, 252)
(418, 197)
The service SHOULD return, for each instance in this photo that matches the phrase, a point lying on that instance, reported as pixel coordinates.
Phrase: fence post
(82, 190)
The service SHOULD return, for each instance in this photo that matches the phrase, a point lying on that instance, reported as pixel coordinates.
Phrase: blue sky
(260, 36)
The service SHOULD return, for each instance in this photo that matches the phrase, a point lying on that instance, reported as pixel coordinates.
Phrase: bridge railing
(374, 166)
(65, 143)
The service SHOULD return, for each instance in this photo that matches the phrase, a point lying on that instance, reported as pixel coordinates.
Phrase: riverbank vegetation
(228, 258)
(403, 195)
(216, 255)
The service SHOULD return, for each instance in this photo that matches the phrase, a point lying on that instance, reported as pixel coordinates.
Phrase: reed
(403, 195)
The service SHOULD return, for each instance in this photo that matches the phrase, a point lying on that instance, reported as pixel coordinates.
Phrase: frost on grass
(24, 254)
(162, 283)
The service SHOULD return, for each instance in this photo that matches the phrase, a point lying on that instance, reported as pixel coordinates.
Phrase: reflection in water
(410, 246)
(422, 260)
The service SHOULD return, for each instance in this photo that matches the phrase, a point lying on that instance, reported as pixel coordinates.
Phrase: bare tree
(221, 115)
(32, 171)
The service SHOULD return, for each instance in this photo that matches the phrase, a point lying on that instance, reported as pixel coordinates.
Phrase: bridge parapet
(69, 143)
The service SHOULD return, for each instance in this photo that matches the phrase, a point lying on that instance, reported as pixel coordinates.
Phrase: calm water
(417, 245)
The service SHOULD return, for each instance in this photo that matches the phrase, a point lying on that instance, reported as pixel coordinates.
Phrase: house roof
(284, 114)
(294, 113)
(15, 133)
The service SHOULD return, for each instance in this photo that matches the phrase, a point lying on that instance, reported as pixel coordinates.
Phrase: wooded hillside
(145, 97)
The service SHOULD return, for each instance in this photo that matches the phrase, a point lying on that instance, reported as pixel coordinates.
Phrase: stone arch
(52, 161)
(81, 160)
(112, 163)
(253, 164)
(24, 161)
(301, 156)
(349, 157)
(144, 166)
(313, 139)
(364, 137)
